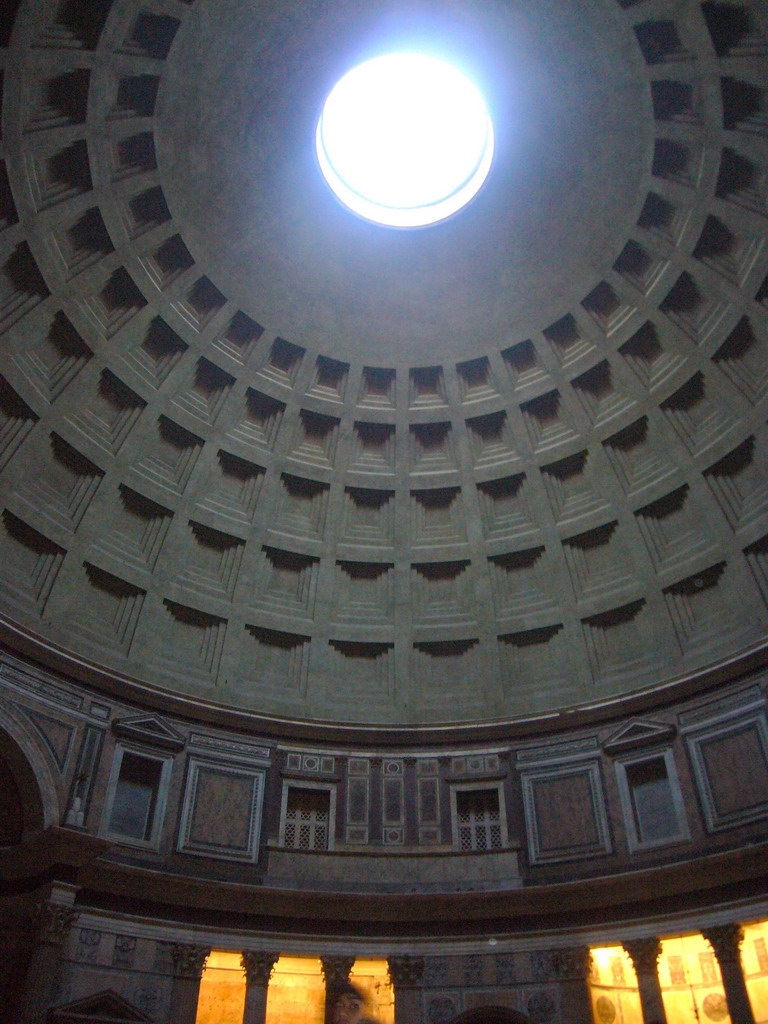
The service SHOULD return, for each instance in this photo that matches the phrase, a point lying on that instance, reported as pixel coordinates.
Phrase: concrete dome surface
(261, 453)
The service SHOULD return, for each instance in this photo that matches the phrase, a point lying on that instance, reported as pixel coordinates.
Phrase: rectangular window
(654, 811)
(478, 819)
(136, 797)
(307, 819)
(653, 804)
(133, 808)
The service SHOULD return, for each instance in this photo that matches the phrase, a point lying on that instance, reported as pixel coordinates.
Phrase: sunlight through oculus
(404, 140)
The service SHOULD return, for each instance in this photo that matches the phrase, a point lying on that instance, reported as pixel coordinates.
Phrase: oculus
(405, 140)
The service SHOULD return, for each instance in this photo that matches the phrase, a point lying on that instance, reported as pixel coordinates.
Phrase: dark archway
(491, 1015)
(11, 807)
(28, 799)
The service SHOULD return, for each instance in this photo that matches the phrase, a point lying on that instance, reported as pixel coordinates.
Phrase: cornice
(23, 642)
(701, 882)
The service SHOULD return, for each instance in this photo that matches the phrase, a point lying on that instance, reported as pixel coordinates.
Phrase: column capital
(644, 954)
(570, 964)
(725, 940)
(258, 966)
(188, 959)
(406, 971)
(53, 921)
(573, 964)
(336, 969)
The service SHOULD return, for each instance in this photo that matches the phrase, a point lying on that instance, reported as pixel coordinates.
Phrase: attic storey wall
(565, 803)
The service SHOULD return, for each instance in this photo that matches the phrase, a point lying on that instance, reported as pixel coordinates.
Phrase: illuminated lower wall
(691, 985)
(222, 990)
(689, 976)
(372, 978)
(296, 993)
(613, 987)
(754, 960)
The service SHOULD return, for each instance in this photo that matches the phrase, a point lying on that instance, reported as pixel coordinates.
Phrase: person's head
(348, 1006)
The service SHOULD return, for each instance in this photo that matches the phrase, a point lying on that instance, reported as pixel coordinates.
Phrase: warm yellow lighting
(222, 990)
(689, 976)
(372, 978)
(613, 987)
(754, 962)
(296, 993)
(691, 986)
(604, 958)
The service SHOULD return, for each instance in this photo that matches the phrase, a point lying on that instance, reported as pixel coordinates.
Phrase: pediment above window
(102, 1008)
(149, 731)
(639, 733)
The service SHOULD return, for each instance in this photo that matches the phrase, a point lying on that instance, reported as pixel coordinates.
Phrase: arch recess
(491, 1015)
(33, 770)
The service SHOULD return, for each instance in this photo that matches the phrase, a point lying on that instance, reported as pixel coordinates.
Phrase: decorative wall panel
(221, 814)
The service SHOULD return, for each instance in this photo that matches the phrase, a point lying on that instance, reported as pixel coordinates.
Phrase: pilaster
(188, 963)
(569, 968)
(54, 916)
(406, 973)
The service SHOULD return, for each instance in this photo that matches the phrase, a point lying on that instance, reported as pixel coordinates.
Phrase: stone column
(257, 967)
(568, 967)
(644, 954)
(406, 973)
(53, 918)
(188, 963)
(336, 973)
(572, 969)
(726, 941)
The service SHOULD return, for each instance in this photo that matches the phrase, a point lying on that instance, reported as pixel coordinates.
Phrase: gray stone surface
(261, 453)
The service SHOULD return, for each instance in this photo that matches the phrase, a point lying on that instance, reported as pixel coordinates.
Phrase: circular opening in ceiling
(405, 140)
